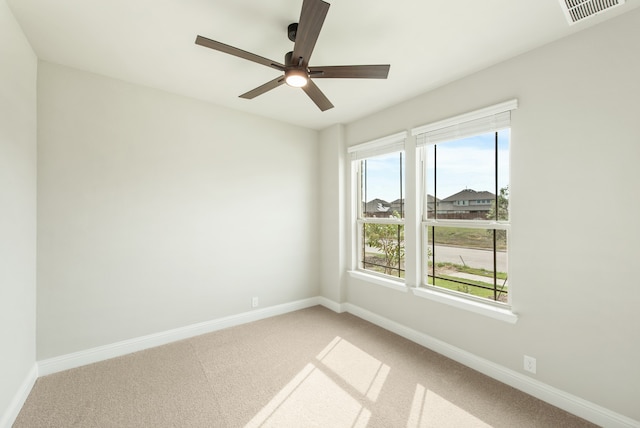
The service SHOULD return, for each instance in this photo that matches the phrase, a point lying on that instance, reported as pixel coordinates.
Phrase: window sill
(502, 314)
(378, 280)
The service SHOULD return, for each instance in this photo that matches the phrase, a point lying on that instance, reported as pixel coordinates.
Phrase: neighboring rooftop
(470, 195)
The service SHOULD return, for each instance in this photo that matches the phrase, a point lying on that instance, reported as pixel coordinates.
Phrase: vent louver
(577, 10)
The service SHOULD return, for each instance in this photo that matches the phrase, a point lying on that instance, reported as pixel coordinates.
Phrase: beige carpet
(310, 368)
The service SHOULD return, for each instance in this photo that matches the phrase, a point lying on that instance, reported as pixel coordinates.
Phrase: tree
(503, 206)
(503, 213)
(389, 239)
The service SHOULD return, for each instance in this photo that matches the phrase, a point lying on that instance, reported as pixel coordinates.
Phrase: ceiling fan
(297, 72)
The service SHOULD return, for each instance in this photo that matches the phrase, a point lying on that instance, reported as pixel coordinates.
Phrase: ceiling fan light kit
(296, 78)
(297, 72)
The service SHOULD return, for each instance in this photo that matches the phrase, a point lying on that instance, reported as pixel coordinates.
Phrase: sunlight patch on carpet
(311, 398)
(428, 409)
(358, 368)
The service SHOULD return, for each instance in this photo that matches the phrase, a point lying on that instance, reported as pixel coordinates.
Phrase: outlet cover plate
(530, 364)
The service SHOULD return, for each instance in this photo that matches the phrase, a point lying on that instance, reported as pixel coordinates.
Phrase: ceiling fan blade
(309, 26)
(351, 71)
(212, 44)
(263, 88)
(317, 96)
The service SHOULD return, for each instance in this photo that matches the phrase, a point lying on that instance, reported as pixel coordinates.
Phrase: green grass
(448, 281)
(379, 260)
(464, 288)
(473, 271)
(471, 238)
(472, 287)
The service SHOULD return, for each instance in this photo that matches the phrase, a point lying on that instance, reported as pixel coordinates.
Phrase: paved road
(472, 257)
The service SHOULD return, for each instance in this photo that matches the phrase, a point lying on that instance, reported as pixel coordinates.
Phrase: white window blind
(381, 146)
(489, 119)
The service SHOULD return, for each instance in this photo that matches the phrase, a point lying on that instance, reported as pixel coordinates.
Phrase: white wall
(157, 211)
(332, 203)
(18, 68)
(575, 203)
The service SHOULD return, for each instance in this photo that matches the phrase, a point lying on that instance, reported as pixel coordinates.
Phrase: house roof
(377, 205)
(470, 195)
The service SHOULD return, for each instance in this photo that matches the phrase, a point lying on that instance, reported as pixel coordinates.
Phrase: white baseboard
(330, 304)
(101, 353)
(11, 413)
(571, 403)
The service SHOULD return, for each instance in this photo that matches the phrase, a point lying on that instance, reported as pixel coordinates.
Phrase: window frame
(362, 220)
(415, 204)
(450, 130)
(387, 145)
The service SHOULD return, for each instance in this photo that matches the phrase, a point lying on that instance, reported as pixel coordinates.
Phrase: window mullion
(363, 201)
(364, 246)
(495, 267)
(435, 182)
(495, 169)
(497, 217)
(412, 213)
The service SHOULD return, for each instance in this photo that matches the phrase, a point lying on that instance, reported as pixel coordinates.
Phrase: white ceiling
(427, 42)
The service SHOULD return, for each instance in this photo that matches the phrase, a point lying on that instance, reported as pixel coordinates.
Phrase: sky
(462, 164)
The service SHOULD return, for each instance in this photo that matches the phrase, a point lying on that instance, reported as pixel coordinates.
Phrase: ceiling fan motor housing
(289, 61)
(295, 73)
(288, 57)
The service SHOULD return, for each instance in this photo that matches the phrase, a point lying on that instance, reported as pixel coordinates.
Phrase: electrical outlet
(254, 302)
(530, 364)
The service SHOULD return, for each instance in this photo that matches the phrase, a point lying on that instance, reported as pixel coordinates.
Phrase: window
(465, 220)
(379, 169)
(444, 234)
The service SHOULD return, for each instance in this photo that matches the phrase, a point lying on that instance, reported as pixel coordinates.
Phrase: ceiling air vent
(577, 10)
